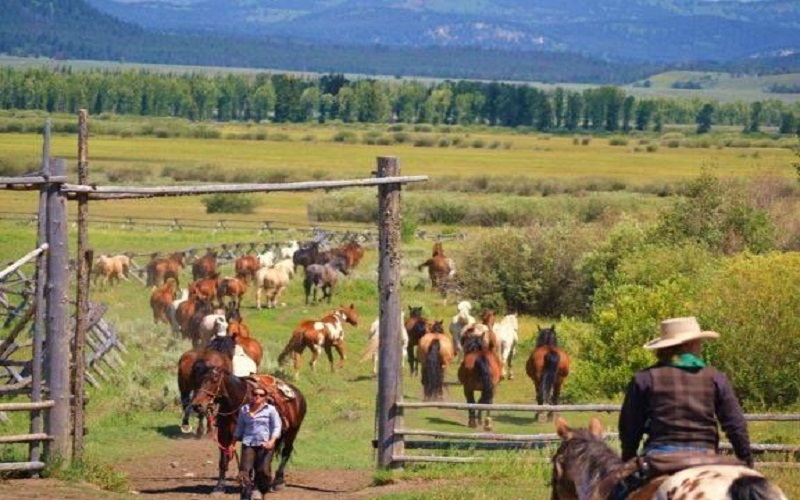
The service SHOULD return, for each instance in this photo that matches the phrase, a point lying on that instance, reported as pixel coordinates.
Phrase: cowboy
(258, 428)
(680, 401)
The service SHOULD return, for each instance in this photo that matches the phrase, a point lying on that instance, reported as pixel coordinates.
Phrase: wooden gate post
(390, 382)
(57, 352)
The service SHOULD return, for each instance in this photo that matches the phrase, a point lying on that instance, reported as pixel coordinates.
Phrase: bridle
(221, 391)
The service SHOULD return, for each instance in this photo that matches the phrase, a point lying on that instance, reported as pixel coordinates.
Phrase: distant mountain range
(619, 30)
(554, 41)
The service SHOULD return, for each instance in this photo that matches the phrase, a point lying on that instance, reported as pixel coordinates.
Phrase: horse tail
(487, 387)
(432, 376)
(551, 361)
(296, 338)
(753, 488)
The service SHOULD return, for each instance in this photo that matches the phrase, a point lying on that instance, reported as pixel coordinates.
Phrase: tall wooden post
(84, 261)
(390, 382)
(57, 355)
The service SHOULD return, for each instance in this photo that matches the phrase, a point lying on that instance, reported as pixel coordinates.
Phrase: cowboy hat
(677, 331)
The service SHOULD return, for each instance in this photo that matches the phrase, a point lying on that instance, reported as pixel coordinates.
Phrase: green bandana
(686, 360)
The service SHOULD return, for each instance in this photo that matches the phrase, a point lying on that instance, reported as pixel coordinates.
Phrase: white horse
(266, 259)
(287, 265)
(459, 321)
(287, 252)
(506, 332)
(373, 342)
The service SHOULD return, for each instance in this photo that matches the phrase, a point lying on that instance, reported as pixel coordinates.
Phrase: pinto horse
(434, 353)
(438, 269)
(480, 370)
(231, 393)
(416, 326)
(584, 466)
(192, 365)
(548, 367)
(326, 333)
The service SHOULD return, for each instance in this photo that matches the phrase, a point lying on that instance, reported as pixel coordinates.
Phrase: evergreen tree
(704, 119)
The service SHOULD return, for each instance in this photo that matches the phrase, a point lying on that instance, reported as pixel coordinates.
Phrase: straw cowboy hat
(678, 331)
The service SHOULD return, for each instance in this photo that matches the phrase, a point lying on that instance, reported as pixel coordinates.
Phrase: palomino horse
(480, 370)
(416, 326)
(434, 353)
(192, 365)
(548, 367)
(231, 393)
(110, 269)
(326, 333)
(438, 269)
(459, 322)
(272, 281)
(505, 336)
(159, 269)
(584, 466)
(324, 277)
(373, 342)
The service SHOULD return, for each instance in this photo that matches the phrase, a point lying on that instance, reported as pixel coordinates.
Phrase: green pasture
(138, 412)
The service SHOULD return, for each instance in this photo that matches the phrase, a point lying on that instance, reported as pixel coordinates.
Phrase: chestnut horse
(434, 353)
(352, 252)
(232, 288)
(240, 333)
(219, 386)
(159, 269)
(585, 463)
(192, 365)
(161, 299)
(416, 326)
(246, 266)
(480, 370)
(548, 367)
(439, 269)
(325, 333)
(205, 266)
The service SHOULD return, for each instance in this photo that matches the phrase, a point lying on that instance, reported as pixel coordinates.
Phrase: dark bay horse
(416, 326)
(192, 366)
(306, 255)
(548, 367)
(480, 370)
(434, 352)
(219, 386)
(326, 333)
(585, 463)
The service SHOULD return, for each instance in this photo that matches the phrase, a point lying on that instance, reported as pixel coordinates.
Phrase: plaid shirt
(679, 406)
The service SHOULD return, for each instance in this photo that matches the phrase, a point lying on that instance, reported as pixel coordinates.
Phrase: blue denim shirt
(255, 430)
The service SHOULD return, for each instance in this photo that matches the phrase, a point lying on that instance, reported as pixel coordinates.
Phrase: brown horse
(192, 365)
(159, 269)
(434, 353)
(246, 266)
(232, 288)
(231, 393)
(325, 333)
(439, 269)
(205, 266)
(161, 299)
(416, 326)
(240, 333)
(480, 370)
(352, 252)
(548, 367)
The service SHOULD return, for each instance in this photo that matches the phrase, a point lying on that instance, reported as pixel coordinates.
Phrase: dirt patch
(188, 470)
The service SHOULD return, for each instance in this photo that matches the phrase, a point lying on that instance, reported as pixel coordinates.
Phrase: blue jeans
(673, 448)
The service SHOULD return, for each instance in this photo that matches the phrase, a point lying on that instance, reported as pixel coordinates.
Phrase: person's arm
(731, 418)
(275, 428)
(632, 416)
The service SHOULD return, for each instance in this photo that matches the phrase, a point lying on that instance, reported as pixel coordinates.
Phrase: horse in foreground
(192, 366)
(326, 333)
(548, 367)
(585, 467)
(434, 353)
(231, 393)
(480, 370)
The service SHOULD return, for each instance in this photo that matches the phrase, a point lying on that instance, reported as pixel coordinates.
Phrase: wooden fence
(423, 439)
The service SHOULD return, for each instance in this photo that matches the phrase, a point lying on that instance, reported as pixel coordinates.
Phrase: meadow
(138, 412)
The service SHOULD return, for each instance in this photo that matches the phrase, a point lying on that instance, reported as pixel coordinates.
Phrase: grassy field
(138, 412)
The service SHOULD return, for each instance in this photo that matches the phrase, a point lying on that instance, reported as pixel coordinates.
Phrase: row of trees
(290, 98)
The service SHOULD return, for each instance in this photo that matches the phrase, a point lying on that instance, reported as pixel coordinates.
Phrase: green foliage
(88, 470)
(223, 203)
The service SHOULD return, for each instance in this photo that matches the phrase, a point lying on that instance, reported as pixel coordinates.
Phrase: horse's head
(415, 312)
(437, 326)
(582, 453)
(210, 388)
(350, 314)
(437, 249)
(547, 336)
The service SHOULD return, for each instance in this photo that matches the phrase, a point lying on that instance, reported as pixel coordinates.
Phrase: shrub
(346, 136)
(230, 203)
(424, 142)
(618, 141)
(127, 174)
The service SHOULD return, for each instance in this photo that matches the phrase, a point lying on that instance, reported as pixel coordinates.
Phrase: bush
(230, 203)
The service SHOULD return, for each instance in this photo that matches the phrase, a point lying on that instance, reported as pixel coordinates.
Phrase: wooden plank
(486, 436)
(431, 458)
(17, 466)
(24, 438)
(27, 406)
(23, 260)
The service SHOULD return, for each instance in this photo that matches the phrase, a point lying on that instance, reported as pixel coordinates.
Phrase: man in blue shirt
(258, 428)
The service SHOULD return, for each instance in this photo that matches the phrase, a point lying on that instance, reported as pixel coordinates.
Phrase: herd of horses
(207, 312)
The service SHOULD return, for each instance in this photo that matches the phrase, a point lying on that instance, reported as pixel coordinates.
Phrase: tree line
(288, 98)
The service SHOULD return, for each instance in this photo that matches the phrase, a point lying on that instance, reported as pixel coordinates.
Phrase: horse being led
(192, 366)
(438, 269)
(585, 467)
(434, 353)
(416, 326)
(373, 342)
(459, 322)
(548, 367)
(480, 370)
(231, 393)
(326, 333)
(505, 336)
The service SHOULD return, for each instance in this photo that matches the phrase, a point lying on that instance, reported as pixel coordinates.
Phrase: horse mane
(225, 345)
(588, 458)
(547, 336)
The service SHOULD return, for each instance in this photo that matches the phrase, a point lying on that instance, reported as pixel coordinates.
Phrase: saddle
(650, 467)
(279, 393)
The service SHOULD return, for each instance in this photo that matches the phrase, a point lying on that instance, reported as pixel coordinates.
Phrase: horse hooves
(186, 429)
(278, 487)
(218, 490)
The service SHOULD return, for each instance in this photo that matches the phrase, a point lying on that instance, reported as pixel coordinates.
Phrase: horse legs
(473, 420)
(224, 460)
(329, 354)
(412, 359)
(339, 346)
(186, 404)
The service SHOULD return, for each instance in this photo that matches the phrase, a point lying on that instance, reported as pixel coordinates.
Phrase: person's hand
(269, 444)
